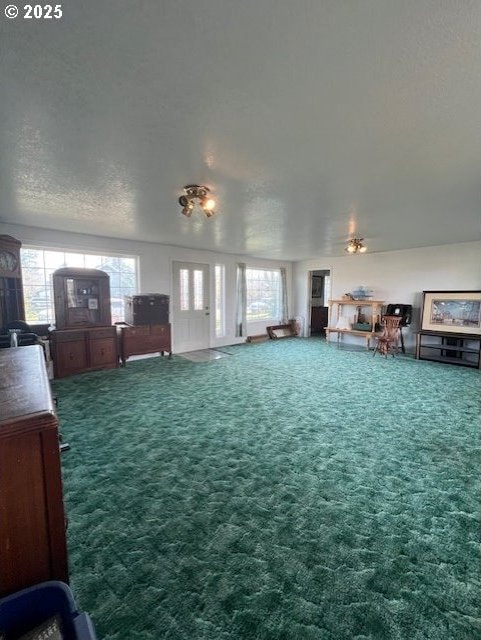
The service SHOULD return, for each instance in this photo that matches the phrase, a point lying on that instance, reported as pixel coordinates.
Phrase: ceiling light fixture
(196, 194)
(355, 245)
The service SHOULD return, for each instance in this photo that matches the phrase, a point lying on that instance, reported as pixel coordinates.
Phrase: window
(198, 289)
(327, 289)
(39, 264)
(263, 294)
(219, 300)
(184, 289)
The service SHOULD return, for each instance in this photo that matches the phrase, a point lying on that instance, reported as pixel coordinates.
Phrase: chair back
(387, 342)
(391, 327)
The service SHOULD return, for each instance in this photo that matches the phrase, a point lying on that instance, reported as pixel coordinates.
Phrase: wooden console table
(140, 340)
(32, 523)
(336, 308)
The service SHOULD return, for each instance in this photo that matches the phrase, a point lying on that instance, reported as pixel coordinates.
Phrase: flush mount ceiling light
(355, 246)
(197, 194)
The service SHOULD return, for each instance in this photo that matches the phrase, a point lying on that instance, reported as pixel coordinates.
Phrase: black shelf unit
(462, 349)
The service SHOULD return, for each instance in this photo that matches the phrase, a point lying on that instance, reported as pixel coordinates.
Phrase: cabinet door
(102, 352)
(70, 357)
(32, 528)
(160, 336)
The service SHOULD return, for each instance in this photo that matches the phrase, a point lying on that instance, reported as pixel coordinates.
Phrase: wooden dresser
(77, 350)
(32, 522)
(149, 338)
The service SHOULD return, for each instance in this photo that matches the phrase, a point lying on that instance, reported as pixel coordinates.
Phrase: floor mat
(204, 355)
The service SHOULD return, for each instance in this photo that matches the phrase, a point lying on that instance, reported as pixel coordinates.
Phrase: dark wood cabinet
(81, 298)
(77, 350)
(11, 289)
(319, 320)
(32, 522)
(140, 340)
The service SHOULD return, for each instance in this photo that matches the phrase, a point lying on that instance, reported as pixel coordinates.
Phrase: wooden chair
(387, 342)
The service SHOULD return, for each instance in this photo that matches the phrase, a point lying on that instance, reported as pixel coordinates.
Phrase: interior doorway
(190, 306)
(320, 292)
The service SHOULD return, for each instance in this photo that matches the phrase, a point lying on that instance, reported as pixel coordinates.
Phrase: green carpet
(293, 491)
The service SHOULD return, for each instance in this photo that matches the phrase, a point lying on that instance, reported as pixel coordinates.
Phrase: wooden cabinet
(32, 523)
(150, 338)
(11, 289)
(74, 351)
(351, 310)
(81, 298)
(452, 348)
(319, 320)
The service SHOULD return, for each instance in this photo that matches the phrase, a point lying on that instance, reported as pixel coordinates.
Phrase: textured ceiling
(311, 121)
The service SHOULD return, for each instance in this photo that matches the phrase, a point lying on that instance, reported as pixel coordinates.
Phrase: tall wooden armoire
(11, 289)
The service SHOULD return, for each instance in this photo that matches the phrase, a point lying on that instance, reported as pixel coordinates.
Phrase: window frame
(45, 287)
(219, 300)
(252, 318)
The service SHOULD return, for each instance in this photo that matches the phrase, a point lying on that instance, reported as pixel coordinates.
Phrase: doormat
(204, 355)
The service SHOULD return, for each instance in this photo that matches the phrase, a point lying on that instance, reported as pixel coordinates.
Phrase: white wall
(155, 266)
(395, 276)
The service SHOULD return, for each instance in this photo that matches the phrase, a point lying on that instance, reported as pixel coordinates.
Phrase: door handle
(207, 313)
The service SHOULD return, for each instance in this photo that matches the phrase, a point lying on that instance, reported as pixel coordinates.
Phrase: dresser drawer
(135, 332)
(67, 336)
(157, 343)
(101, 332)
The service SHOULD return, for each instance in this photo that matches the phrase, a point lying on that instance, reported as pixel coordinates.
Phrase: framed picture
(452, 312)
(317, 286)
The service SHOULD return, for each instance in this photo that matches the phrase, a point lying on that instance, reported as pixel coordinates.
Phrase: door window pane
(219, 300)
(184, 289)
(198, 290)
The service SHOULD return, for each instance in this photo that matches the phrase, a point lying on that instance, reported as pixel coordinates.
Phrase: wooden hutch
(84, 339)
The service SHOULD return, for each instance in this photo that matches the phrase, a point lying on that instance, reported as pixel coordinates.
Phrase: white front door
(190, 306)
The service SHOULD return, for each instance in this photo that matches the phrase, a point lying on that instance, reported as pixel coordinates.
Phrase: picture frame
(317, 286)
(452, 312)
(281, 331)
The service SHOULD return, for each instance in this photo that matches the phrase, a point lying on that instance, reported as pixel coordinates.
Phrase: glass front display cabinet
(82, 298)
